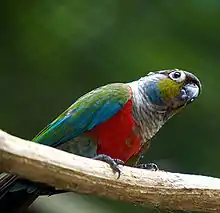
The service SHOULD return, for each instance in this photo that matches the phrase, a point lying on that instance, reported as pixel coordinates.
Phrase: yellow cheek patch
(169, 89)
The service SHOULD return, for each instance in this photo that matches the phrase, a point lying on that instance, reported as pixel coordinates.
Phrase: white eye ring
(177, 75)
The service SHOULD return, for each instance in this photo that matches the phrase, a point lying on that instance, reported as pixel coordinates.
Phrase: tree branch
(159, 189)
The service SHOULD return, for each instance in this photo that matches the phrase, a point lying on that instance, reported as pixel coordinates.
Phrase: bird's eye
(177, 76)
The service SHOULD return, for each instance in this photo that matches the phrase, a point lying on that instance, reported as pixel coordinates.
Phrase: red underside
(116, 137)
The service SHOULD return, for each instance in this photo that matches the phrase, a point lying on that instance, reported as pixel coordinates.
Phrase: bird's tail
(17, 194)
(14, 201)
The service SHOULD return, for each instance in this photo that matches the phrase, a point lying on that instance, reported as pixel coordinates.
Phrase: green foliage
(54, 51)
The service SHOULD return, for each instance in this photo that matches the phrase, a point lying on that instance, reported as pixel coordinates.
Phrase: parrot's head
(171, 89)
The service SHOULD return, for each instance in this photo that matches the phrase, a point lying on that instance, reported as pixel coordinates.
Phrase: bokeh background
(51, 52)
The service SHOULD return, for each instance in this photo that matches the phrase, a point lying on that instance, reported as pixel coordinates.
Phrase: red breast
(119, 136)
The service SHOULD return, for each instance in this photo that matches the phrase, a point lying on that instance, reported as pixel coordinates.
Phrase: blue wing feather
(87, 112)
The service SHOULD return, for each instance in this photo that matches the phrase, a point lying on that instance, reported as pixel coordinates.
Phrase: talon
(112, 162)
(116, 169)
(118, 161)
(148, 166)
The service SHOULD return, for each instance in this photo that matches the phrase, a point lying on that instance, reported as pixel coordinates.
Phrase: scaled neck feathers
(150, 117)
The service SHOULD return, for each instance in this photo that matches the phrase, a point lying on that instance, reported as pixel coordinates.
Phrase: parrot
(113, 123)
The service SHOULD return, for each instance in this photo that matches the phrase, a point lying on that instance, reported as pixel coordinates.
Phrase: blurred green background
(54, 51)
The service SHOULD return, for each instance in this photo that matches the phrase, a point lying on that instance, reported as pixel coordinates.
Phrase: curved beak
(191, 92)
(192, 88)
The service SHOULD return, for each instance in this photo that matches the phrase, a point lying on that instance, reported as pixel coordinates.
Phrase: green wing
(87, 112)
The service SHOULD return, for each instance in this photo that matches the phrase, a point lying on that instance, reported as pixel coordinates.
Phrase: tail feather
(6, 182)
(17, 202)
(16, 194)
(14, 201)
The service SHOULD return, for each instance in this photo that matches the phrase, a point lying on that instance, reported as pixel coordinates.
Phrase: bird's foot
(148, 166)
(112, 162)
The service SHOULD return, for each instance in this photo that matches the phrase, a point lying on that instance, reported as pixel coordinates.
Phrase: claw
(112, 162)
(118, 161)
(148, 166)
